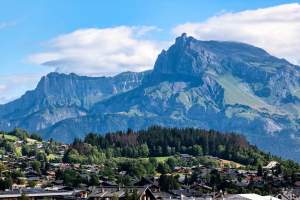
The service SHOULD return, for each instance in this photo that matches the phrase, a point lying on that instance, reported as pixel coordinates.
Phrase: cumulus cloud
(106, 51)
(275, 29)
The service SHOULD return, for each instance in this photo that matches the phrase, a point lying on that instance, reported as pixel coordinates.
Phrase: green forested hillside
(159, 141)
(124, 157)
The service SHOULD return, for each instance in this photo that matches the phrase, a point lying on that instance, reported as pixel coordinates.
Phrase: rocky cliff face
(60, 96)
(226, 86)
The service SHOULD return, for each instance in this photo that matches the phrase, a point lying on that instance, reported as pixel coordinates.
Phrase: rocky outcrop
(227, 86)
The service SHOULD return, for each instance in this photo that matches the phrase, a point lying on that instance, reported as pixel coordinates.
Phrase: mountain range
(226, 86)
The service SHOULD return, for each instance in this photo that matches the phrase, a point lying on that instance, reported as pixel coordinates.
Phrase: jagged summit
(227, 86)
(192, 57)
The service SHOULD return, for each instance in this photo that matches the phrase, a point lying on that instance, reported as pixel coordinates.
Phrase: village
(29, 175)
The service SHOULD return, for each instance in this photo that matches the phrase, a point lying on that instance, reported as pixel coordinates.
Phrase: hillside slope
(60, 96)
(226, 86)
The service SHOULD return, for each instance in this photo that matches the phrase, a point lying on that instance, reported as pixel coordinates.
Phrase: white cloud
(2, 88)
(7, 24)
(275, 29)
(13, 86)
(105, 51)
(108, 51)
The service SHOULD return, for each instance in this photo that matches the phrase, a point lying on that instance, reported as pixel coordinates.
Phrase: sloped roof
(251, 196)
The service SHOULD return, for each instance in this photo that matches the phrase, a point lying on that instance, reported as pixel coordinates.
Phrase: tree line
(159, 141)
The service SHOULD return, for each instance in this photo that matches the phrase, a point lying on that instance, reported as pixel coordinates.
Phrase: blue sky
(32, 33)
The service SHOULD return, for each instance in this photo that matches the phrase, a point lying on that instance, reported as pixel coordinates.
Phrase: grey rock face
(60, 96)
(227, 86)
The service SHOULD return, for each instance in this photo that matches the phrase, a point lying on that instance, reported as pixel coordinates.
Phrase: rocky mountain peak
(179, 59)
(182, 40)
(227, 86)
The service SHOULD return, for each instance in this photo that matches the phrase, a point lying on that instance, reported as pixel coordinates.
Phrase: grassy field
(10, 138)
(235, 93)
(32, 141)
(162, 158)
(159, 159)
(51, 157)
(230, 163)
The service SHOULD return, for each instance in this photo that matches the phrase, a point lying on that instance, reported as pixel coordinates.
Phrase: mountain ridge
(226, 86)
(75, 97)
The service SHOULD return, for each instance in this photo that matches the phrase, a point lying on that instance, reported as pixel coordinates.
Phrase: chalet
(150, 182)
(34, 194)
(18, 186)
(201, 187)
(186, 156)
(81, 194)
(109, 193)
(108, 184)
(163, 195)
(271, 165)
(191, 193)
(250, 197)
(183, 170)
